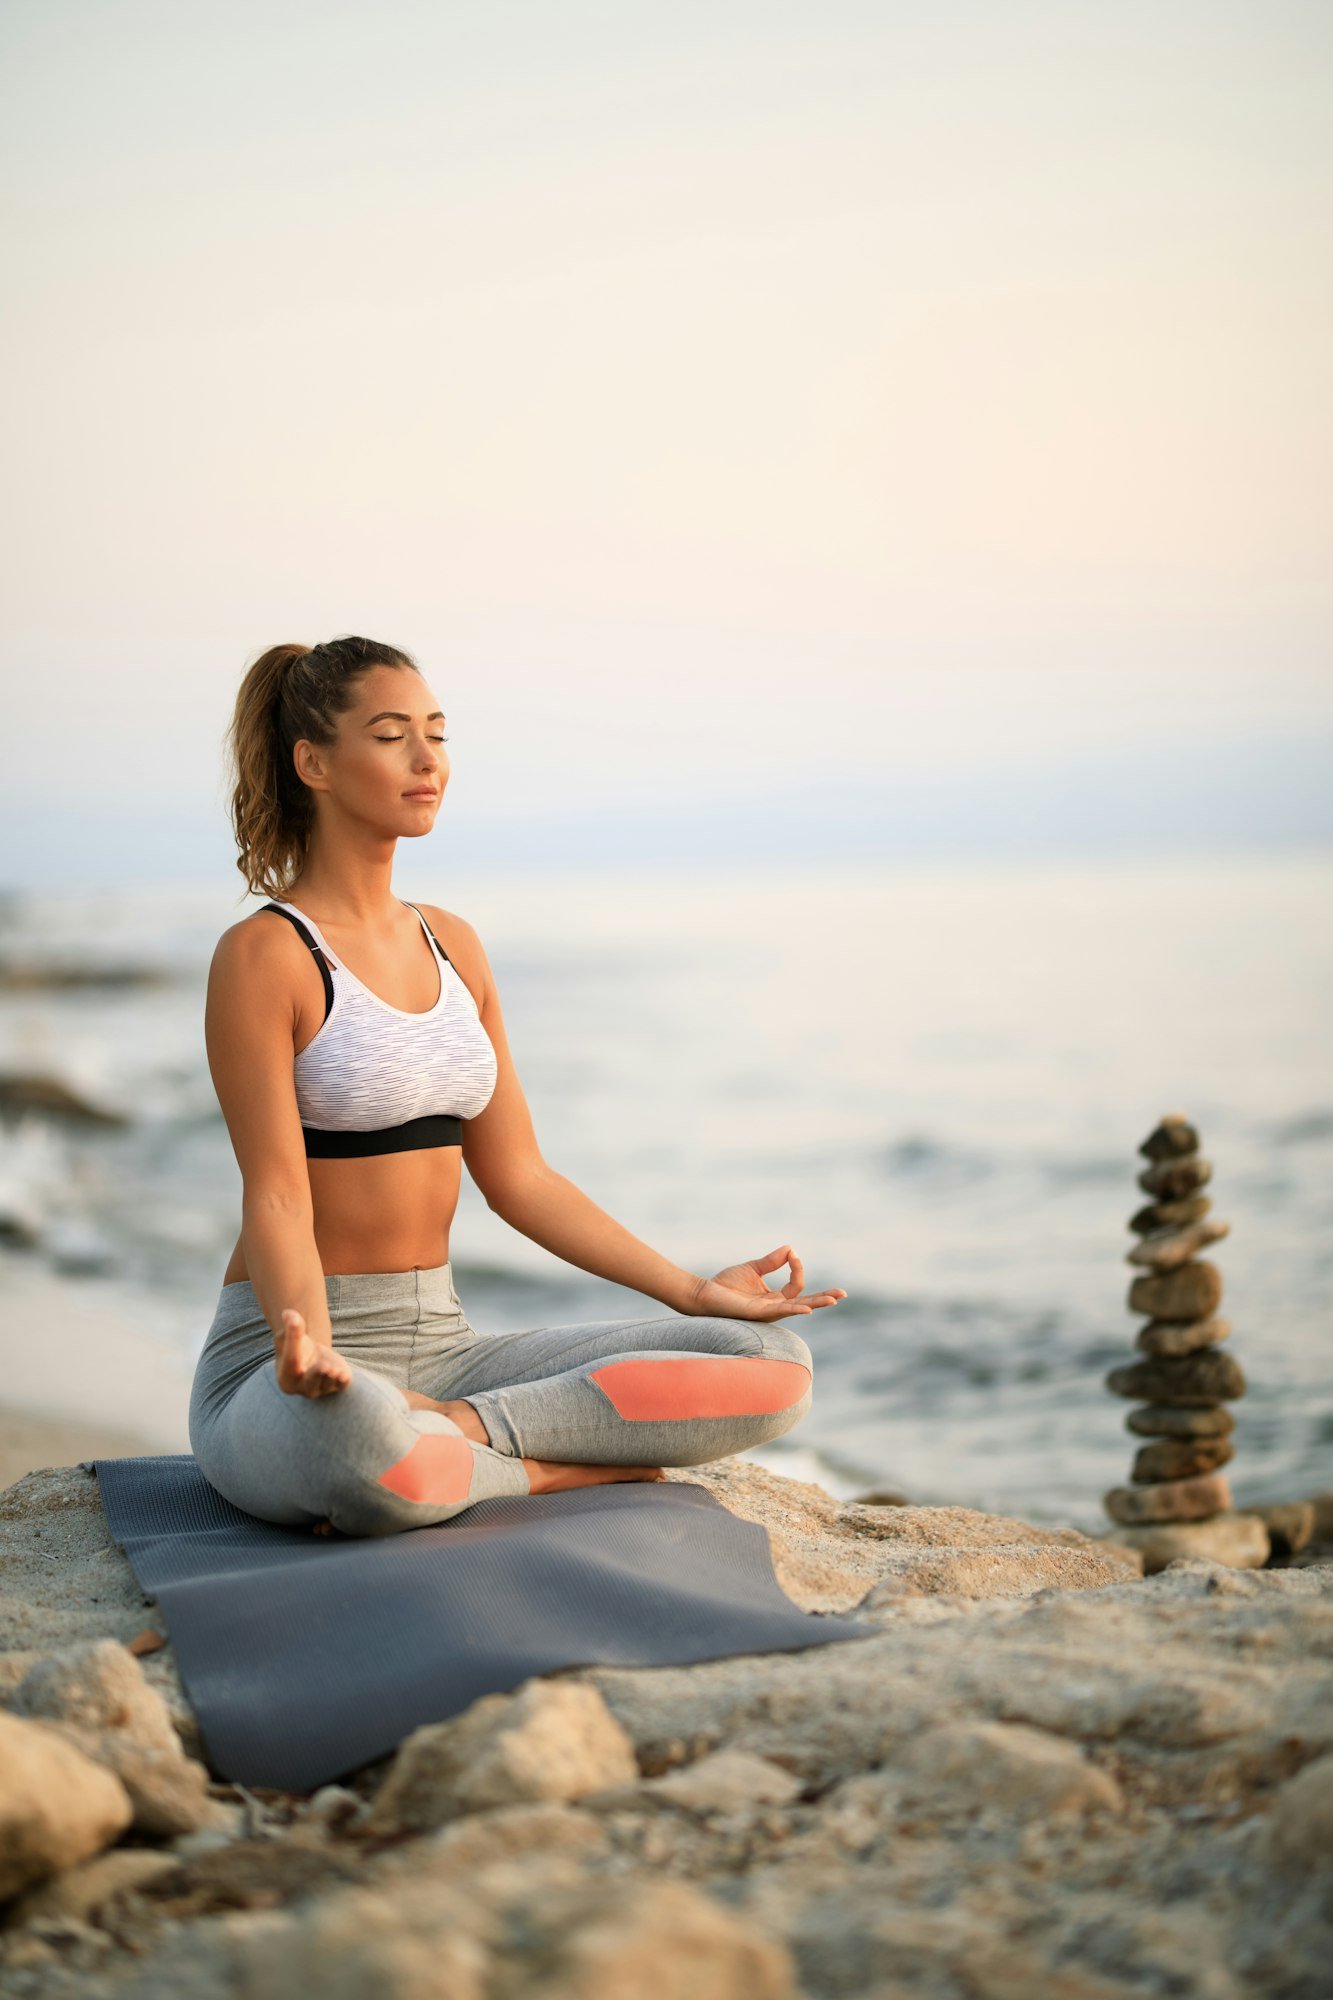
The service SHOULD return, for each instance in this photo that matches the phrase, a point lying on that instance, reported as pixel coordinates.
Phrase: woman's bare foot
(304, 1368)
(553, 1475)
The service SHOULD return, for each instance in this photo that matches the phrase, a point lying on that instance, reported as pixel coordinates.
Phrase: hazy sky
(801, 403)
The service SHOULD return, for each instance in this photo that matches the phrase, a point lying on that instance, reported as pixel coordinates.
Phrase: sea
(931, 1080)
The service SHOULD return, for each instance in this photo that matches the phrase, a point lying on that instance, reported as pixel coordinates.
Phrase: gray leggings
(670, 1391)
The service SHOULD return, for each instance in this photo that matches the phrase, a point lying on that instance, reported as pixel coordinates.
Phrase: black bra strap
(434, 940)
(320, 959)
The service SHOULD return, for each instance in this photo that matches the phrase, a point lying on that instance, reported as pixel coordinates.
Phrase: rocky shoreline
(1049, 1774)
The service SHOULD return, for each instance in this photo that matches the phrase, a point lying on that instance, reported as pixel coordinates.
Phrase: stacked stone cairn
(1178, 1502)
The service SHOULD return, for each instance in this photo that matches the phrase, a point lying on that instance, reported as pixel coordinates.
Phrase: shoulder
(462, 946)
(259, 946)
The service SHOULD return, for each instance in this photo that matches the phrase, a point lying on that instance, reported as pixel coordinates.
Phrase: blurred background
(856, 477)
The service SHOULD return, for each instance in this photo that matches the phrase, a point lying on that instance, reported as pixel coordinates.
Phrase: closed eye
(398, 739)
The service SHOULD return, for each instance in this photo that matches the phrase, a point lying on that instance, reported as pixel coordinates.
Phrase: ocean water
(931, 1082)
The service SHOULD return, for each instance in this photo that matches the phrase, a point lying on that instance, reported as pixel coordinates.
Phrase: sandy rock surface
(1047, 1774)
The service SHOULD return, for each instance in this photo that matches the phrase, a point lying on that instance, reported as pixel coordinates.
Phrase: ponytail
(288, 693)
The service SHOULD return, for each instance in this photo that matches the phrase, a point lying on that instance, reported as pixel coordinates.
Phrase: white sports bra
(379, 1079)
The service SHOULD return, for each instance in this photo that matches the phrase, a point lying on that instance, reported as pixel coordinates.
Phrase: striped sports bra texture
(375, 1078)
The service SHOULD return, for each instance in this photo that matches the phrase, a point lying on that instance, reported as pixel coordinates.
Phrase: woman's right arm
(250, 1019)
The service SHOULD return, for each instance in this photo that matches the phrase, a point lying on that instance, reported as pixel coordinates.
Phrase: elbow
(511, 1196)
(284, 1199)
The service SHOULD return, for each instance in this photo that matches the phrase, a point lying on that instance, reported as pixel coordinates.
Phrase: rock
(1164, 1214)
(1290, 1525)
(1020, 1771)
(1298, 1833)
(1172, 1337)
(1171, 1139)
(96, 1692)
(1192, 1499)
(1181, 1420)
(1180, 1458)
(530, 1933)
(1171, 1180)
(1167, 1249)
(57, 1807)
(1240, 1540)
(1323, 1515)
(660, 1937)
(721, 1782)
(85, 1891)
(883, 1496)
(334, 1806)
(552, 1740)
(1192, 1292)
(1190, 1381)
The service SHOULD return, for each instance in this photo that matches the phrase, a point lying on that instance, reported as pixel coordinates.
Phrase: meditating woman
(358, 1051)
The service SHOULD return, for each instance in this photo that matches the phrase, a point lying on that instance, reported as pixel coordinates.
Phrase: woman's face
(388, 766)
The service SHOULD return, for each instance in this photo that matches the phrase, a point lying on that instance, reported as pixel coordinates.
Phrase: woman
(359, 1055)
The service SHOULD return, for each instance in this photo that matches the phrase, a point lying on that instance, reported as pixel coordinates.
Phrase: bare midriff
(390, 1212)
(386, 1212)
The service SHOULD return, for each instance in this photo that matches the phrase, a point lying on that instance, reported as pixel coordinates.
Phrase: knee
(783, 1343)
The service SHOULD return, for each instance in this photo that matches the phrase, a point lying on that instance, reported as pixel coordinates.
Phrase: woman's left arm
(501, 1153)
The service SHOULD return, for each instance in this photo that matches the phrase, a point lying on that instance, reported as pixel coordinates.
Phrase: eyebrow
(396, 715)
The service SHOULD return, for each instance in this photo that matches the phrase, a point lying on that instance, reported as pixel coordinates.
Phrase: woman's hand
(739, 1292)
(304, 1368)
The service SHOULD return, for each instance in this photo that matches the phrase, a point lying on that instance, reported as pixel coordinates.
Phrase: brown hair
(288, 693)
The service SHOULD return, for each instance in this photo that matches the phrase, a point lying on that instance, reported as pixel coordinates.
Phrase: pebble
(1162, 1214)
(1170, 1499)
(1290, 1524)
(1180, 1420)
(1173, 1178)
(1192, 1292)
(1173, 1337)
(1211, 1376)
(1239, 1540)
(1181, 1458)
(1168, 1249)
(1171, 1139)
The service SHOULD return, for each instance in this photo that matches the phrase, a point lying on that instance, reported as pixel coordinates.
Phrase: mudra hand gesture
(739, 1292)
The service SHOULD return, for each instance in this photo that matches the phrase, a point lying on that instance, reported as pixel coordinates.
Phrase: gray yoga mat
(306, 1656)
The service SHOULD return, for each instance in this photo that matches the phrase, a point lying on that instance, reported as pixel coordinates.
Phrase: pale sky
(725, 403)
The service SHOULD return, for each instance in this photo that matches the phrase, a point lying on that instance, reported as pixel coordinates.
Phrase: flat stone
(1170, 1499)
(1171, 1139)
(1210, 1376)
(1163, 1214)
(1239, 1540)
(1167, 1249)
(1192, 1292)
(1290, 1524)
(1180, 1420)
(1170, 1179)
(1181, 1458)
(1173, 1337)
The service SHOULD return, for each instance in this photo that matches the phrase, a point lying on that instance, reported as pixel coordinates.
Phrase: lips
(424, 793)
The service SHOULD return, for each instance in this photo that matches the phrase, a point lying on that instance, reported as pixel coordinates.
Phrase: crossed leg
(674, 1391)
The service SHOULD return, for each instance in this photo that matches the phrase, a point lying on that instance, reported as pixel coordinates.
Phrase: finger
(797, 1282)
(773, 1259)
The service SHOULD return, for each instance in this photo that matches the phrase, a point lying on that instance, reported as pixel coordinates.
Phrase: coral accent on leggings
(702, 1385)
(436, 1469)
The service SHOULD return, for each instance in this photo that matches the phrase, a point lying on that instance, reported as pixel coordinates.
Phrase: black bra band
(438, 1128)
